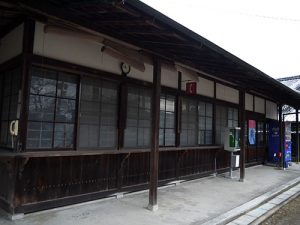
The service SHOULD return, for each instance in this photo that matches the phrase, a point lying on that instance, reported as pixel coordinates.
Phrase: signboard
(252, 132)
(191, 88)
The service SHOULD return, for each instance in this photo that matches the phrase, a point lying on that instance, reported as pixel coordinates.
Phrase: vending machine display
(287, 144)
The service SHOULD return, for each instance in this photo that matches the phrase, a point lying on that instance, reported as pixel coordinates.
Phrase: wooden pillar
(178, 110)
(28, 42)
(281, 135)
(214, 126)
(242, 118)
(154, 154)
(297, 134)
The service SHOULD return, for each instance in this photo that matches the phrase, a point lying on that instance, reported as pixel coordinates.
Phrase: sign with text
(191, 88)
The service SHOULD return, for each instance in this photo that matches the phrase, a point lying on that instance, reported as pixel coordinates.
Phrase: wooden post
(214, 118)
(297, 134)
(242, 141)
(178, 110)
(154, 154)
(28, 39)
(281, 136)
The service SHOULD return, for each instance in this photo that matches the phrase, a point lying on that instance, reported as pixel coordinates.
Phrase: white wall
(11, 44)
(271, 110)
(147, 75)
(249, 102)
(74, 50)
(226, 93)
(259, 105)
(88, 53)
(205, 87)
(169, 77)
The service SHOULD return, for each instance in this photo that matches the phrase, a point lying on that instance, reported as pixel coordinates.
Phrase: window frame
(166, 96)
(80, 100)
(198, 101)
(260, 133)
(57, 72)
(206, 117)
(227, 107)
(138, 89)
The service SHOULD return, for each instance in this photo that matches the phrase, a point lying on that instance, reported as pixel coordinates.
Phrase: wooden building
(98, 91)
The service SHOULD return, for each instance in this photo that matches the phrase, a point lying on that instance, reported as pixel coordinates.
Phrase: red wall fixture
(191, 88)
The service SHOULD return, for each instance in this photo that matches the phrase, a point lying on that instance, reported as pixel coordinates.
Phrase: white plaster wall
(226, 93)
(88, 53)
(11, 44)
(74, 50)
(169, 77)
(271, 110)
(205, 87)
(259, 105)
(249, 102)
(147, 75)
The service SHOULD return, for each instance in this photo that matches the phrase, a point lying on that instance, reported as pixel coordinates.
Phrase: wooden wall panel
(57, 177)
(136, 169)
(7, 175)
(46, 182)
(261, 154)
(201, 161)
(168, 162)
(251, 155)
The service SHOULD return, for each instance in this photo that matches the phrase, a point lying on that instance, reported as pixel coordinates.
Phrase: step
(282, 191)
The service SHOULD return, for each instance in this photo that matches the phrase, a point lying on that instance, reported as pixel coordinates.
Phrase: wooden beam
(154, 154)
(242, 118)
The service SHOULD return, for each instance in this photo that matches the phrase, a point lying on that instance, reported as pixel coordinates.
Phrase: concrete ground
(193, 202)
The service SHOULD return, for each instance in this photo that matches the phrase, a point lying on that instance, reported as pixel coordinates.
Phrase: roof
(136, 23)
(292, 82)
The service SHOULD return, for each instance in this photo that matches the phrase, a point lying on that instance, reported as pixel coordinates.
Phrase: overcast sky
(264, 33)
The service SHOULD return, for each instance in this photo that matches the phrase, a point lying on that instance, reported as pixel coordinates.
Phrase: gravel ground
(287, 215)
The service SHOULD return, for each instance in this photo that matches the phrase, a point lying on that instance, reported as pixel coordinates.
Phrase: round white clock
(125, 68)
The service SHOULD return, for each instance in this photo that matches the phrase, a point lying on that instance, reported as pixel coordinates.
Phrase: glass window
(39, 135)
(10, 105)
(233, 117)
(226, 117)
(189, 130)
(167, 120)
(260, 134)
(205, 125)
(98, 114)
(52, 109)
(138, 122)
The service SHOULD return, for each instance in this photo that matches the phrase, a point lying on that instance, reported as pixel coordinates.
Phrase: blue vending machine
(273, 145)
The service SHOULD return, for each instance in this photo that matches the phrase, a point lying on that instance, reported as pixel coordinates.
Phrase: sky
(264, 33)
